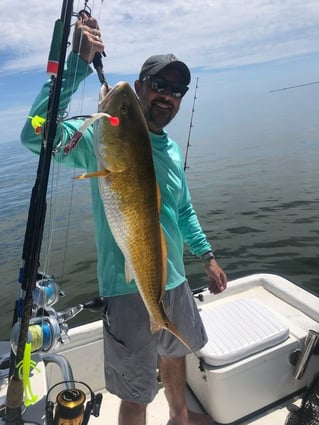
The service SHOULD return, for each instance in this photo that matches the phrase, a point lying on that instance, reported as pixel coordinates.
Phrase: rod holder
(305, 355)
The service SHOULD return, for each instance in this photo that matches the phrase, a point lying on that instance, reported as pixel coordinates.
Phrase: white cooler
(245, 364)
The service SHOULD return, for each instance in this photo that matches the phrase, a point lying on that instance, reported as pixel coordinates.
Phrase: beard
(159, 113)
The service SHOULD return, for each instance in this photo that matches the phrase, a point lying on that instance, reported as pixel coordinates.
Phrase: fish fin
(113, 156)
(168, 325)
(101, 173)
(128, 273)
(171, 328)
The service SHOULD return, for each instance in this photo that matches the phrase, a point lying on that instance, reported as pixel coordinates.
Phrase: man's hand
(218, 279)
(87, 38)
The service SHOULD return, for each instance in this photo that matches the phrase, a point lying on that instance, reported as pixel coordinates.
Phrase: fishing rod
(294, 87)
(36, 215)
(190, 125)
(32, 282)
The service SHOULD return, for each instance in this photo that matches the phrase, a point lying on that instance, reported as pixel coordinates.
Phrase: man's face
(159, 108)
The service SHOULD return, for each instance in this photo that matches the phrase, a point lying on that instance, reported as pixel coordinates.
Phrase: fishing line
(51, 218)
(34, 230)
(36, 216)
(88, 11)
(57, 177)
(81, 105)
(55, 182)
(50, 229)
(52, 222)
(67, 233)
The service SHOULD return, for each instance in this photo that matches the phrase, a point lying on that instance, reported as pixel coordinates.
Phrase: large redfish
(131, 197)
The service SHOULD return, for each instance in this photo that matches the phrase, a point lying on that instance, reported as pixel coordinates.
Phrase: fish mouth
(107, 94)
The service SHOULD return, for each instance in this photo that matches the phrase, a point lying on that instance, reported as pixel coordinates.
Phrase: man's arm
(76, 70)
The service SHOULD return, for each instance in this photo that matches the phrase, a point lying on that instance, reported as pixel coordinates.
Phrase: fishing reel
(48, 328)
(69, 407)
(45, 333)
(45, 293)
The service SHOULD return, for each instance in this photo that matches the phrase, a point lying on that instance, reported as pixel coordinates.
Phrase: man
(131, 350)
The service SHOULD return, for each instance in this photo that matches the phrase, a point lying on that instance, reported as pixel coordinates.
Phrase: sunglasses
(160, 85)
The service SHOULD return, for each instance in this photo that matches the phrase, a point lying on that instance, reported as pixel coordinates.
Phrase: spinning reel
(69, 408)
(47, 327)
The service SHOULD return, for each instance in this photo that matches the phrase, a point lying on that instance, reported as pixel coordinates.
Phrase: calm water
(254, 185)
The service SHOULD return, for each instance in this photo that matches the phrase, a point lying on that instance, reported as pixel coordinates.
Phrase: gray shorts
(131, 351)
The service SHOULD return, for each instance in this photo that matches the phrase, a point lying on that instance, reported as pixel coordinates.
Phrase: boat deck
(157, 412)
(250, 384)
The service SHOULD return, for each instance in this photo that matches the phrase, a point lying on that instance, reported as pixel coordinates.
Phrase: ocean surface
(254, 184)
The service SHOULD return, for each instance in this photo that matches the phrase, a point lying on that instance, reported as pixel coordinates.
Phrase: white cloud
(207, 33)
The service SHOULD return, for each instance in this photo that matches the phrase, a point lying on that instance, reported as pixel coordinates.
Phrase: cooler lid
(239, 329)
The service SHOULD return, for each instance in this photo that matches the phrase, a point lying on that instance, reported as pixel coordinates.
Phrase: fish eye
(124, 110)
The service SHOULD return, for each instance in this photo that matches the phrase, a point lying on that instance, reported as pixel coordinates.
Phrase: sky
(237, 49)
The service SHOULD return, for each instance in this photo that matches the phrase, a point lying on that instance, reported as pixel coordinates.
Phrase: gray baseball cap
(157, 63)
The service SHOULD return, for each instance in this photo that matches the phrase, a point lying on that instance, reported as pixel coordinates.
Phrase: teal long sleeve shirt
(178, 218)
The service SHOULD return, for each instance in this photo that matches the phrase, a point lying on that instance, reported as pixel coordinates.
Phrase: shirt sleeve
(75, 71)
(192, 231)
(189, 224)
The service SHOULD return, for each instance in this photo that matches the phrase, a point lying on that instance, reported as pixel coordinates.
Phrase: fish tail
(168, 325)
(171, 328)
